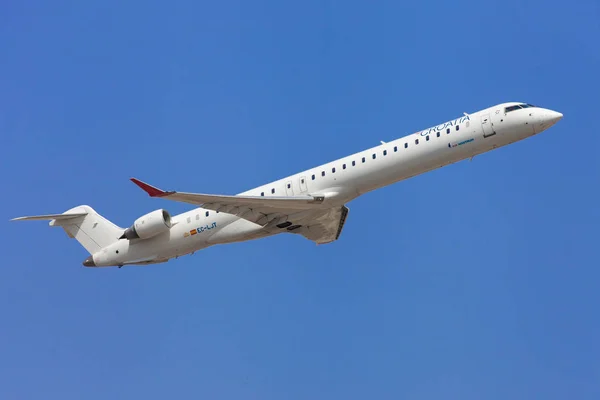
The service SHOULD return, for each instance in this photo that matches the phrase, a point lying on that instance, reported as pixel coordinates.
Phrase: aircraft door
(486, 125)
(303, 185)
(289, 188)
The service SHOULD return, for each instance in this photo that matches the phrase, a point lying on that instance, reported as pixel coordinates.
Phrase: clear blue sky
(479, 280)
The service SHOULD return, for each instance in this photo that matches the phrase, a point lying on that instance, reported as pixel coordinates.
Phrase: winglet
(151, 190)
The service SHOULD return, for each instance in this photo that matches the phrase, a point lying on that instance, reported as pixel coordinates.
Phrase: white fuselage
(343, 180)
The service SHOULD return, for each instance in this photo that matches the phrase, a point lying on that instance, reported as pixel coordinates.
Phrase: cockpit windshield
(517, 107)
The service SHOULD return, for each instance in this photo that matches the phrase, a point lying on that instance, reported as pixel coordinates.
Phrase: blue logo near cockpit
(445, 125)
(460, 143)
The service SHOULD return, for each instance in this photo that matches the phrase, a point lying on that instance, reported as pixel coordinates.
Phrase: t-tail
(82, 223)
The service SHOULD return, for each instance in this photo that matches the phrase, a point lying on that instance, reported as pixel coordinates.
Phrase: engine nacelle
(149, 225)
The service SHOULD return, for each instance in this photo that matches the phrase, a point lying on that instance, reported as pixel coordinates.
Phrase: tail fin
(89, 228)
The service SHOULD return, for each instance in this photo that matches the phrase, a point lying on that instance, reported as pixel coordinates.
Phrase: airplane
(312, 203)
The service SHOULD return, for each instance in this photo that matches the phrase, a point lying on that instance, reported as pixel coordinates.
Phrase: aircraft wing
(304, 215)
(297, 202)
(258, 209)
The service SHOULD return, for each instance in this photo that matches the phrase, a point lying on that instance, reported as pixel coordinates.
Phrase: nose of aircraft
(546, 119)
(89, 262)
(553, 117)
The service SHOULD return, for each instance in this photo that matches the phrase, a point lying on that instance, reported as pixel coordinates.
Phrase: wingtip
(151, 190)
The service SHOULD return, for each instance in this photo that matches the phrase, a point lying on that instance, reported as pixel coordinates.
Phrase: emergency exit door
(303, 185)
(289, 188)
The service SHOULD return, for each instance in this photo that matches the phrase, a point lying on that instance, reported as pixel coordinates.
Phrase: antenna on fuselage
(466, 115)
(382, 142)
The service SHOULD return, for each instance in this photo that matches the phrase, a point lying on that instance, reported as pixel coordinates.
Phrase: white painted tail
(89, 228)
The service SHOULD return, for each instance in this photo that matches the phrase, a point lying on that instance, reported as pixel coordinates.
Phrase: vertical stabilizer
(84, 224)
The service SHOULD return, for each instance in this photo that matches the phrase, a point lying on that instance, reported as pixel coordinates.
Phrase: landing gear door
(486, 125)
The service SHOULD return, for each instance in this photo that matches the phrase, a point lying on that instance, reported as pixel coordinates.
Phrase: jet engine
(149, 225)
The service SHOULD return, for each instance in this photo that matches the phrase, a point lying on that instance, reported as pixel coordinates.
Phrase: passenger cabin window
(343, 166)
(457, 127)
(207, 213)
(273, 191)
(313, 177)
(333, 170)
(448, 131)
(438, 134)
(427, 138)
(302, 180)
(416, 141)
(406, 145)
(262, 193)
(353, 163)
(385, 152)
(363, 159)
(289, 186)
(322, 173)
(374, 156)
(395, 149)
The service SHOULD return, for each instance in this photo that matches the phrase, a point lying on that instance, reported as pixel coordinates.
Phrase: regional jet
(311, 203)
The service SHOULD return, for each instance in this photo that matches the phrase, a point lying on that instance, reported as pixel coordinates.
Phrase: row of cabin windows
(189, 219)
(385, 152)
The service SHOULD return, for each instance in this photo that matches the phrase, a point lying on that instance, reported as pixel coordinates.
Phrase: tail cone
(89, 262)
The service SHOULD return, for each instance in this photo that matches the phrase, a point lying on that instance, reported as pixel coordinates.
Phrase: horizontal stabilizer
(49, 217)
